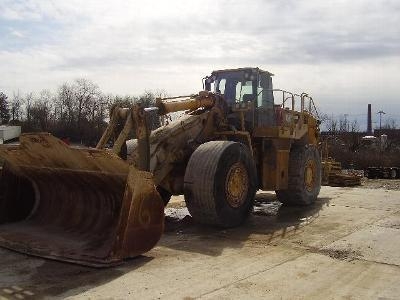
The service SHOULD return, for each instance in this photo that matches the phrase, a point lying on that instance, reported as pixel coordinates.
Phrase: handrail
(287, 95)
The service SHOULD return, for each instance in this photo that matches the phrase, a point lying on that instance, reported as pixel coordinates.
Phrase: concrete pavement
(346, 246)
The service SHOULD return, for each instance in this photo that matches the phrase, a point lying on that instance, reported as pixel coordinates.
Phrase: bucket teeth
(78, 205)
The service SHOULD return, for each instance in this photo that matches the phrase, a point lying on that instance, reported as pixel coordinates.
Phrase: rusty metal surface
(79, 205)
(332, 174)
(169, 150)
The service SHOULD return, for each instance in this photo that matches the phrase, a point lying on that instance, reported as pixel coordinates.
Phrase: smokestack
(369, 126)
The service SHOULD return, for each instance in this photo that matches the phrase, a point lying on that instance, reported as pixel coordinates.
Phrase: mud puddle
(261, 208)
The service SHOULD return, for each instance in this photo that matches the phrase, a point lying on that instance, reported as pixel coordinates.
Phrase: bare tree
(65, 103)
(85, 93)
(4, 111)
(332, 125)
(343, 124)
(354, 126)
(29, 98)
(40, 111)
(324, 119)
(78, 110)
(161, 93)
(123, 101)
(16, 107)
(390, 124)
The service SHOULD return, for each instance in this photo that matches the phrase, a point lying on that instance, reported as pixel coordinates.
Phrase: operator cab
(246, 87)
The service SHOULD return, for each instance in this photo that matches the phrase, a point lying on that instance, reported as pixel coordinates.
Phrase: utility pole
(381, 112)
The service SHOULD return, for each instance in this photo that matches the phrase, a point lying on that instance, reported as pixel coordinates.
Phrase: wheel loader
(99, 206)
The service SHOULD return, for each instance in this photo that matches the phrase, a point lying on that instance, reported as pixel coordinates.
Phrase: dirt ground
(345, 246)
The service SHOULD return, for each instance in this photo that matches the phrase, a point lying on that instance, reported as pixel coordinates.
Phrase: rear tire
(220, 183)
(304, 177)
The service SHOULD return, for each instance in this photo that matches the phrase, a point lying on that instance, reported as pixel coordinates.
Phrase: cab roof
(242, 69)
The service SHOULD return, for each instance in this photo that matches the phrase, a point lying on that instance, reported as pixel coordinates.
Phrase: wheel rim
(310, 175)
(237, 185)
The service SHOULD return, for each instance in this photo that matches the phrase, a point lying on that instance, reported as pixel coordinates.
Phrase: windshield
(234, 89)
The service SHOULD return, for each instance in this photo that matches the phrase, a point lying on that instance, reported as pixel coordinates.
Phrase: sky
(346, 54)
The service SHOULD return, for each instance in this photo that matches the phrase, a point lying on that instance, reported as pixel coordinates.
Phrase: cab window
(244, 91)
(221, 86)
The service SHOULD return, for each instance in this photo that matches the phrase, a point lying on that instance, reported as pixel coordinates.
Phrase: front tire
(220, 183)
(304, 177)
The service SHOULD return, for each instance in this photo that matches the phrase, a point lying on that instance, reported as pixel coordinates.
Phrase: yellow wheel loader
(98, 206)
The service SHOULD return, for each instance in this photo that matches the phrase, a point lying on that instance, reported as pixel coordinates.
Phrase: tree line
(337, 125)
(77, 111)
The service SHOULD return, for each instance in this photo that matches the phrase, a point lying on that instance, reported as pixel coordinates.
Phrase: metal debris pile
(333, 175)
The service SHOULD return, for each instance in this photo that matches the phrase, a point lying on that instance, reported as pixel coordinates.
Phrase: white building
(9, 133)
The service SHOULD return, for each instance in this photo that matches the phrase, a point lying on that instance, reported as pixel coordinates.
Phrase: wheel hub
(310, 175)
(237, 185)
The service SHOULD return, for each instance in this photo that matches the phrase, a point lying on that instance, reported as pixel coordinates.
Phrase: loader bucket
(84, 206)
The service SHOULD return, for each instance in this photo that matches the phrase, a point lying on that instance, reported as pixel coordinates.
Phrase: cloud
(128, 46)
(16, 33)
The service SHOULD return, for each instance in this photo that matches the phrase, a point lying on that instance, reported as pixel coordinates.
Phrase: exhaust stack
(369, 126)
